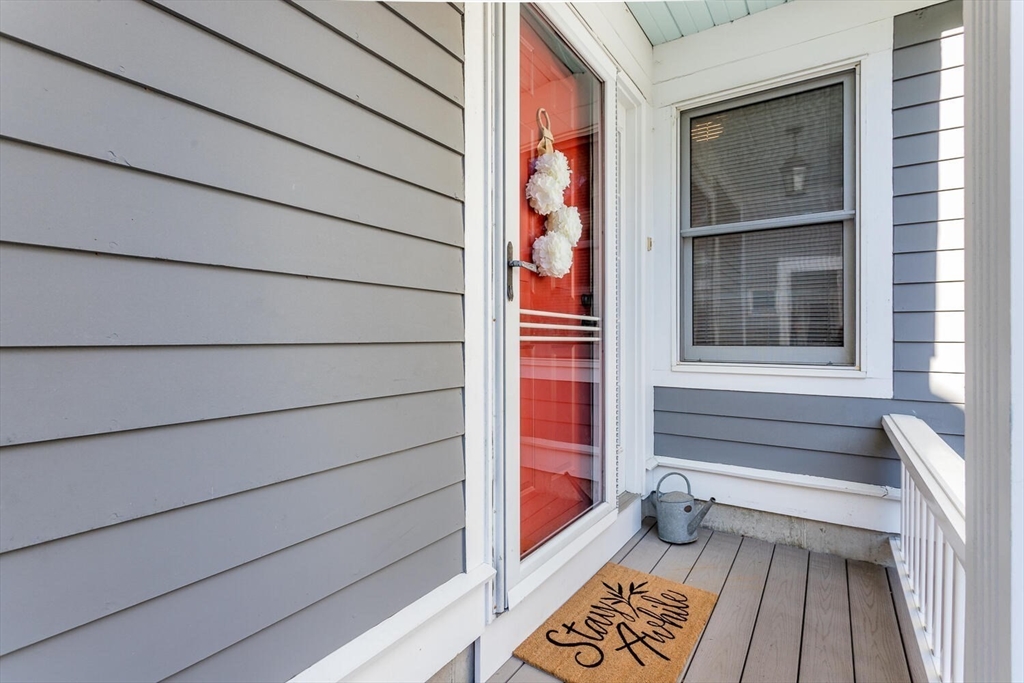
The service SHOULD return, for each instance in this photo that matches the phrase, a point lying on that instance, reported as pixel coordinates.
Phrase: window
(768, 190)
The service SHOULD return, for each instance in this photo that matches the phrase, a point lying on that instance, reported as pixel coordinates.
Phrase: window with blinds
(768, 226)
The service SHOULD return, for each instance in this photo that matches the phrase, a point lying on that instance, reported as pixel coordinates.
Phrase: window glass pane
(560, 355)
(780, 287)
(781, 157)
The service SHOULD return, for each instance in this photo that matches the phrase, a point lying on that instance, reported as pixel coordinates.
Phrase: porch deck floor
(783, 613)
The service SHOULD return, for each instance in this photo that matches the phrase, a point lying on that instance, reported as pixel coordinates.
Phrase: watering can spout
(695, 522)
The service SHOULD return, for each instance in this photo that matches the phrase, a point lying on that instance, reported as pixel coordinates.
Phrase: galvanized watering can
(678, 518)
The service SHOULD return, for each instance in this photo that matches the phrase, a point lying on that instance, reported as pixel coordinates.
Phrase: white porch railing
(930, 552)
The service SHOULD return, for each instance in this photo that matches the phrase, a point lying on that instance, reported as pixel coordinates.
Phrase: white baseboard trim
(865, 506)
(417, 641)
(512, 627)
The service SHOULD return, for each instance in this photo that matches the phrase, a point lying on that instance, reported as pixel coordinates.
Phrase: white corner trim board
(416, 642)
(865, 506)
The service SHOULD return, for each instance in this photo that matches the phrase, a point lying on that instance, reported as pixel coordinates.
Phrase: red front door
(560, 318)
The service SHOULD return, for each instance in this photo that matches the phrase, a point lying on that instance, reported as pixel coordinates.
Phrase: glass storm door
(559, 318)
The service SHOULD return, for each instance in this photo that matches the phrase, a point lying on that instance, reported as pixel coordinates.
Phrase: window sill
(780, 379)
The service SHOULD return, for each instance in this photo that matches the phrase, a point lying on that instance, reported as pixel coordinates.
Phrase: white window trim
(867, 47)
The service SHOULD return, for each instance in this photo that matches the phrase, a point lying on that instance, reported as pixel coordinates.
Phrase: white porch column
(995, 338)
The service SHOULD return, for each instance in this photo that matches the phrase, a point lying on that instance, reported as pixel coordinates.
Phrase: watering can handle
(678, 474)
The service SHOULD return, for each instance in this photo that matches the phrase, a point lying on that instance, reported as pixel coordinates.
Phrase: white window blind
(768, 227)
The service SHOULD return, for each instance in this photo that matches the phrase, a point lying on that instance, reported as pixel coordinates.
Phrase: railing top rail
(938, 472)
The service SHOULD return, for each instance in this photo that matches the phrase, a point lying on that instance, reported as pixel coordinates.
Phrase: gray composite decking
(783, 613)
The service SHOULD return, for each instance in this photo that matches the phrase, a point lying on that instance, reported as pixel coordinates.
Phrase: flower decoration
(555, 165)
(544, 193)
(566, 221)
(545, 190)
(552, 253)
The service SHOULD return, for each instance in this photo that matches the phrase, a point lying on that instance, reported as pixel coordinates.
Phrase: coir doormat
(622, 625)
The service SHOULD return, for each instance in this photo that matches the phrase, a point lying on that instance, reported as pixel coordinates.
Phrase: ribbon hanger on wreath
(552, 251)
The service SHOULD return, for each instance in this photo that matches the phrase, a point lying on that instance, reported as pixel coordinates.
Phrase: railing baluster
(935, 623)
(959, 606)
(932, 563)
(926, 563)
(947, 612)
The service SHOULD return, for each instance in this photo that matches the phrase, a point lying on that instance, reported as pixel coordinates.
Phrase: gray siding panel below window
(842, 466)
(840, 437)
(231, 327)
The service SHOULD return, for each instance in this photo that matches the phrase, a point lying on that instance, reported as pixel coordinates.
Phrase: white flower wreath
(545, 190)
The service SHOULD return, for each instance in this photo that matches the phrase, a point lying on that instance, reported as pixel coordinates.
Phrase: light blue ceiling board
(737, 9)
(682, 16)
(700, 14)
(647, 22)
(720, 11)
(666, 20)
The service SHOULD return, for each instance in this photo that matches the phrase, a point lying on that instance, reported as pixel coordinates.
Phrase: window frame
(847, 354)
(799, 43)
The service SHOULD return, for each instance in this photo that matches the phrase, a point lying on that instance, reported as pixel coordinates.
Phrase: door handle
(512, 264)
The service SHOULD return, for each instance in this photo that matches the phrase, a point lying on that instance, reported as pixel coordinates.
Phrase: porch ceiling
(665, 21)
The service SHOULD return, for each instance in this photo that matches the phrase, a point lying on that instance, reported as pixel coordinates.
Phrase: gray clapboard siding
(134, 642)
(174, 57)
(929, 357)
(927, 24)
(929, 267)
(929, 386)
(939, 296)
(940, 235)
(106, 571)
(60, 393)
(47, 298)
(942, 326)
(269, 654)
(818, 463)
(929, 206)
(51, 102)
(230, 335)
(284, 35)
(853, 440)
(436, 20)
(925, 147)
(59, 200)
(928, 87)
(928, 118)
(798, 408)
(398, 42)
(49, 489)
(926, 57)
(929, 177)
